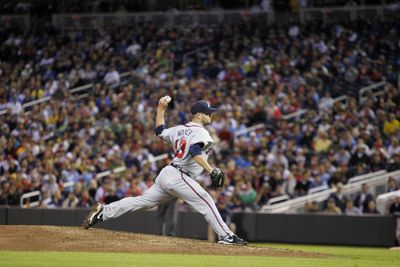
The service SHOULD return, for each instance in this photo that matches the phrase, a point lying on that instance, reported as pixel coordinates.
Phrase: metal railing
(69, 184)
(374, 179)
(187, 18)
(195, 51)
(372, 90)
(76, 90)
(248, 129)
(317, 189)
(29, 196)
(365, 92)
(123, 168)
(21, 21)
(365, 176)
(279, 199)
(215, 17)
(109, 172)
(383, 200)
(347, 13)
(302, 112)
(295, 115)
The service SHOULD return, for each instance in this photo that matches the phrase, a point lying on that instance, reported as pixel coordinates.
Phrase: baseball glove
(217, 178)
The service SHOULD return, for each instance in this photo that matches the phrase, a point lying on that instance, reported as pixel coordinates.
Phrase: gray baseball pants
(169, 184)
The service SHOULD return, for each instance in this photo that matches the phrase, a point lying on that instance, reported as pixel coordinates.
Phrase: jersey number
(180, 146)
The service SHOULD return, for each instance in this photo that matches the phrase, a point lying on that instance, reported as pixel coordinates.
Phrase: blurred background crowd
(255, 74)
(46, 7)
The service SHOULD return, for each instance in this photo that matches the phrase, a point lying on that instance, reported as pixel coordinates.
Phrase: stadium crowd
(39, 8)
(255, 74)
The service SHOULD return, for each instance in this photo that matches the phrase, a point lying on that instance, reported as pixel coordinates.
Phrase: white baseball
(168, 98)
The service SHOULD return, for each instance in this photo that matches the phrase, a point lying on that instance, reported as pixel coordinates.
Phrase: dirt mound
(56, 238)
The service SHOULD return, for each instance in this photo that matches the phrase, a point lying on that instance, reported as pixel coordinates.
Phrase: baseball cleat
(95, 216)
(232, 240)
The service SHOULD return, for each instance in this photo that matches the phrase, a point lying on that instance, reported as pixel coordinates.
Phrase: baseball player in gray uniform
(191, 143)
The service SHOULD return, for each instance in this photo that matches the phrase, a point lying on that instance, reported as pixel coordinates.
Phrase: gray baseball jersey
(176, 181)
(182, 137)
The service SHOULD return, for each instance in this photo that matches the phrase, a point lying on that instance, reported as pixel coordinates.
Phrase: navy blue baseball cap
(202, 107)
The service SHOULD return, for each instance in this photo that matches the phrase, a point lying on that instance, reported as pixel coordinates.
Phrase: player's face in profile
(206, 119)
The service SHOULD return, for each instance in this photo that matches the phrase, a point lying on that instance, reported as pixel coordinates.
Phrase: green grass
(346, 256)
(342, 256)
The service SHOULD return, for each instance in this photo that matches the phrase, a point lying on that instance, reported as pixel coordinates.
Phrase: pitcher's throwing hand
(164, 101)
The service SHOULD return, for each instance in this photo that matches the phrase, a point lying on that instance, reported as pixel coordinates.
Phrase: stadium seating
(63, 144)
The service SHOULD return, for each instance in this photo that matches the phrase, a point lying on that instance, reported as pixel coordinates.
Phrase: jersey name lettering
(184, 132)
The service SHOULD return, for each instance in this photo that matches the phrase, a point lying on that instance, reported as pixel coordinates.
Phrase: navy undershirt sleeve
(195, 150)
(159, 129)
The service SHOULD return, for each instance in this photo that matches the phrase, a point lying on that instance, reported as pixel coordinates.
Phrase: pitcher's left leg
(192, 193)
(150, 198)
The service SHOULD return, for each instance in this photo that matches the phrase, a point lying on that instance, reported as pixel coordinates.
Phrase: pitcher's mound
(56, 238)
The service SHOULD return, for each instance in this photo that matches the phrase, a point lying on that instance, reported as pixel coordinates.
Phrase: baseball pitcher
(191, 143)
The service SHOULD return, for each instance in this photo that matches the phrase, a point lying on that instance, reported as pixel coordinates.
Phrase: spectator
(392, 185)
(112, 78)
(392, 125)
(56, 200)
(9, 194)
(395, 164)
(338, 197)
(86, 200)
(133, 49)
(331, 207)
(237, 205)
(378, 162)
(359, 169)
(71, 201)
(395, 206)
(304, 184)
(363, 198)
(111, 195)
(263, 195)
(247, 195)
(342, 157)
(360, 156)
(350, 209)
(394, 147)
(47, 199)
(321, 143)
(277, 157)
(311, 207)
(371, 208)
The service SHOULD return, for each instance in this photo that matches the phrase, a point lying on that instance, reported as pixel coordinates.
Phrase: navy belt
(179, 168)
